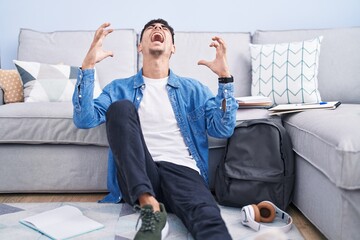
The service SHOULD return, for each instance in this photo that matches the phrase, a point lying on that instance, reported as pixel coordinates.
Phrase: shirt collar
(173, 79)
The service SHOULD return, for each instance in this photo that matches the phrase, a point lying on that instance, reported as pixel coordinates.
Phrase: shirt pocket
(196, 120)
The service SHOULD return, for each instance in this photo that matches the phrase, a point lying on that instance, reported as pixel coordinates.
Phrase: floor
(305, 227)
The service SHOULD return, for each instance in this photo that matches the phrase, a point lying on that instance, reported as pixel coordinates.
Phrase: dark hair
(161, 21)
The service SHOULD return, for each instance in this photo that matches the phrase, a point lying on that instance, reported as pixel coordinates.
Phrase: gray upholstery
(330, 140)
(197, 43)
(70, 47)
(36, 118)
(327, 147)
(334, 211)
(52, 168)
(41, 150)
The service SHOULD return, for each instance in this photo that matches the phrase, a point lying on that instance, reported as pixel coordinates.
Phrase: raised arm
(96, 53)
(221, 123)
(89, 113)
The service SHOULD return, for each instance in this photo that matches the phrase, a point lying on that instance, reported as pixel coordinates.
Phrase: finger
(100, 34)
(218, 39)
(104, 25)
(104, 55)
(102, 29)
(203, 62)
(107, 31)
(214, 44)
(109, 53)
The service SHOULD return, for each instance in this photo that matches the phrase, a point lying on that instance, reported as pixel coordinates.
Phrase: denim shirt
(197, 111)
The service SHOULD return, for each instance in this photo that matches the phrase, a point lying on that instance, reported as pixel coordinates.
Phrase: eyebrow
(162, 25)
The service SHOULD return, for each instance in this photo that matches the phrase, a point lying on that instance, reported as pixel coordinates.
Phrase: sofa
(42, 151)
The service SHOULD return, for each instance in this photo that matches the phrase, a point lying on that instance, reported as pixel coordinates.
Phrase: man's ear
(172, 50)
(139, 48)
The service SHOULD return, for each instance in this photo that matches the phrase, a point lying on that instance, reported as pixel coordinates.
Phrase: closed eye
(150, 27)
(153, 26)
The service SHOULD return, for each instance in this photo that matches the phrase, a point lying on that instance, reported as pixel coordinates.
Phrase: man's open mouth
(157, 37)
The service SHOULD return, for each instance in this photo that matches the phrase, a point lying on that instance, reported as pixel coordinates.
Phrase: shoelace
(148, 218)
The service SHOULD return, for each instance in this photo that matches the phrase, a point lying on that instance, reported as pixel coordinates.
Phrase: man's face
(157, 40)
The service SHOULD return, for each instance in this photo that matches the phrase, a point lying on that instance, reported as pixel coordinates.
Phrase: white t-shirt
(159, 126)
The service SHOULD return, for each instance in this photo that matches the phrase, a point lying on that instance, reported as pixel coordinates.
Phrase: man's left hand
(219, 65)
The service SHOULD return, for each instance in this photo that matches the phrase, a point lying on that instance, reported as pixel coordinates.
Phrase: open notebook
(62, 223)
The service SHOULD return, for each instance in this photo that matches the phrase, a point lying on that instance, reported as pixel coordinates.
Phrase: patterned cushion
(286, 72)
(49, 83)
(11, 84)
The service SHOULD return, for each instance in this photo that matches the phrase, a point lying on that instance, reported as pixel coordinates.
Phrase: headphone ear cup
(257, 216)
(266, 211)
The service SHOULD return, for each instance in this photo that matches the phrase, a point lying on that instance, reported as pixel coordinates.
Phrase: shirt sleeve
(221, 122)
(88, 112)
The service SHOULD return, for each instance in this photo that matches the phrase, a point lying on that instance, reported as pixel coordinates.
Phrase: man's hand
(219, 65)
(96, 53)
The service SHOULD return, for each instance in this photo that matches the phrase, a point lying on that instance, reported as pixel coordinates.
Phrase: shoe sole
(165, 231)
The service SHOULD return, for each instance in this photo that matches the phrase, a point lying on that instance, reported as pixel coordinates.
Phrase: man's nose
(158, 27)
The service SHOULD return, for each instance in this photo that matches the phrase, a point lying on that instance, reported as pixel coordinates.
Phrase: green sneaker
(153, 224)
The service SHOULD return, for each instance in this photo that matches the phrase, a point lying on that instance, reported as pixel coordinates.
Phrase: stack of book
(254, 102)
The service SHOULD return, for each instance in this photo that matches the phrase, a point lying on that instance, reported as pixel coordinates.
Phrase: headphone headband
(248, 218)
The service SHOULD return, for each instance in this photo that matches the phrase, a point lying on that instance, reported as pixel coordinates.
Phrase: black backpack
(258, 165)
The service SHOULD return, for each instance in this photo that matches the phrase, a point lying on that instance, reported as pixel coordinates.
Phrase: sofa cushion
(339, 63)
(70, 48)
(286, 72)
(49, 83)
(194, 46)
(11, 84)
(330, 141)
(37, 123)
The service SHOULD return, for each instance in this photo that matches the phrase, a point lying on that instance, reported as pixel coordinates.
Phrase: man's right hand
(96, 53)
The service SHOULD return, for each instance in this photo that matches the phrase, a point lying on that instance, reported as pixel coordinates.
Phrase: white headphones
(266, 212)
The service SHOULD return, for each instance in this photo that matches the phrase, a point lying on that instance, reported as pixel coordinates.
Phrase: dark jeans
(181, 189)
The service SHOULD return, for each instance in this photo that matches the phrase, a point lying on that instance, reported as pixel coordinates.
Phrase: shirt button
(143, 87)
(80, 96)
(138, 98)
(225, 90)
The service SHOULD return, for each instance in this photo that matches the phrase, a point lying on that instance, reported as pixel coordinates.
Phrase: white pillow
(49, 83)
(286, 72)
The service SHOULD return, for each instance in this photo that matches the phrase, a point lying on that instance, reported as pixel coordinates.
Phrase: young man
(157, 125)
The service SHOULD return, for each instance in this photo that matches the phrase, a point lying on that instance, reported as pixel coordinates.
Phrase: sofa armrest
(1, 96)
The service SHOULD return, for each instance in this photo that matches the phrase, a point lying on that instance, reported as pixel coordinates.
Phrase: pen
(311, 103)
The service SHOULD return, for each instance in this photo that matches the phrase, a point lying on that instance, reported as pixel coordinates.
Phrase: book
(254, 102)
(299, 107)
(61, 223)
